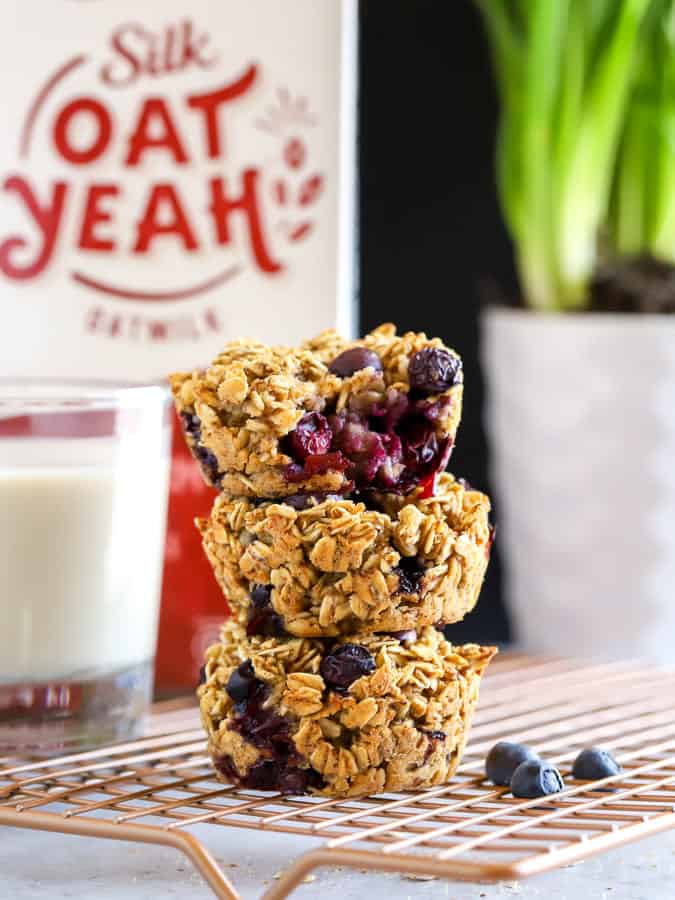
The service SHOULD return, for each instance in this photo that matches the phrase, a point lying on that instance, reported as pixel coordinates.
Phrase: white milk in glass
(84, 473)
(80, 563)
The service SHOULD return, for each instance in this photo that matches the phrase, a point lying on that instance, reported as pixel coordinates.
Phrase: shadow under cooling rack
(154, 789)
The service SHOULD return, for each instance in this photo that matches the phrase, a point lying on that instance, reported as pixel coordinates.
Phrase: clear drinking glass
(84, 471)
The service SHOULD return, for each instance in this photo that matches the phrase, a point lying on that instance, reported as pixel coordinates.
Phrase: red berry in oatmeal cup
(330, 416)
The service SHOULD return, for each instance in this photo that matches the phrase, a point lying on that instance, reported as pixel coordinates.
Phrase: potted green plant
(581, 378)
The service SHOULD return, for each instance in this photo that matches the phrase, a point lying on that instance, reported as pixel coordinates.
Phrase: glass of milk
(84, 471)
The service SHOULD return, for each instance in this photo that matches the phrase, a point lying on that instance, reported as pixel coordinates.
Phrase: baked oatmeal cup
(312, 566)
(329, 416)
(343, 718)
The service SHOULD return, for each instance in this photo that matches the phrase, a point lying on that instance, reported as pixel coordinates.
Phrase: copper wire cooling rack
(154, 789)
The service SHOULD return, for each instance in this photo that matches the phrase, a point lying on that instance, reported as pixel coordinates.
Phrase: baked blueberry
(192, 425)
(304, 501)
(241, 681)
(433, 738)
(593, 763)
(434, 370)
(410, 574)
(271, 775)
(312, 437)
(316, 464)
(207, 460)
(345, 664)
(262, 619)
(294, 780)
(391, 444)
(536, 778)
(503, 760)
(264, 728)
(353, 360)
(261, 594)
(397, 398)
(263, 775)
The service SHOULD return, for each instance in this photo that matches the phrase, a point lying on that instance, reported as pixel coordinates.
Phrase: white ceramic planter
(581, 417)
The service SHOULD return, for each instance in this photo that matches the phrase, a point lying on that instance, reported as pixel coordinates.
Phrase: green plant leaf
(566, 71)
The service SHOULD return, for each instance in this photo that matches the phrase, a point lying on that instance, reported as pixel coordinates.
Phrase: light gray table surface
(38, 866)
(43, 866)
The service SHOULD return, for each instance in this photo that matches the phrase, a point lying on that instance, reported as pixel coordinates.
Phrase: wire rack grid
(154, 789)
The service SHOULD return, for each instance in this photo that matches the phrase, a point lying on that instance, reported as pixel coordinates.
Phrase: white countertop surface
(38, 866)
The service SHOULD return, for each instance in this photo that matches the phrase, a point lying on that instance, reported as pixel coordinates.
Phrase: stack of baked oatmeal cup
(343, 548)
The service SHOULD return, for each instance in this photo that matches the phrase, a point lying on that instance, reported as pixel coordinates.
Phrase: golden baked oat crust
(359, 715)
(337, 567)
(276, 421)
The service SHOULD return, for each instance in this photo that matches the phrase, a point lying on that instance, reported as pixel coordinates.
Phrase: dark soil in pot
(641, 285)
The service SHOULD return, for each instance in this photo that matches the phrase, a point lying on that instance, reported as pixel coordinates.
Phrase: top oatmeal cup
(331, 416)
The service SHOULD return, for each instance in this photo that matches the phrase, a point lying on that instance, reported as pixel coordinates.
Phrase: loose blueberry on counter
(503, 760)
(433, 370)
(346, 664)
(353, 360)
(241, 682)
(593, 763)
(535, 778)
